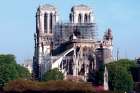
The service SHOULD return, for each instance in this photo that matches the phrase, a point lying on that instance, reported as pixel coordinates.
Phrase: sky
(17, 24)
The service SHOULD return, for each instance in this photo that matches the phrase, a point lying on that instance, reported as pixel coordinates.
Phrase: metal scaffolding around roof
(64, 32)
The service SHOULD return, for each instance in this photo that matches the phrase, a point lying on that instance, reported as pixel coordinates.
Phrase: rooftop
(47, 7)
(80, 7)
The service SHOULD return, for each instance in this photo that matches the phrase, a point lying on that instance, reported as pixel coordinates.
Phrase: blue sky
(17, 24)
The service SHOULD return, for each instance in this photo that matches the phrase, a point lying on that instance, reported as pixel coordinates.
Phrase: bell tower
(81, 14)
(46, 18)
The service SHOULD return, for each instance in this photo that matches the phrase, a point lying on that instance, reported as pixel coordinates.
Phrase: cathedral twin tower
(47, 16)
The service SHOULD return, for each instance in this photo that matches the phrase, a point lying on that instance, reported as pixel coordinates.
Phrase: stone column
(92, 18)
(82, 18)
(88, 18)
(56, 18)
(40, 23)
(76, 18)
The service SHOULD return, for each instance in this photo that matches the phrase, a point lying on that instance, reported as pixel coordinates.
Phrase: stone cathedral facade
(71, 47)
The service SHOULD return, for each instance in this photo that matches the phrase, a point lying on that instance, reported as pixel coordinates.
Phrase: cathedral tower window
(51, 22)
(80, 18)
(45, 22)
(70, 17)
(86, 18)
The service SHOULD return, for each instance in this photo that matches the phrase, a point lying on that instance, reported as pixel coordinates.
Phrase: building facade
(71, 47)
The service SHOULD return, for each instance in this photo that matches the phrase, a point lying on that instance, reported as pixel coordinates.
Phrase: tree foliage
(120, 78)
(9, 70)
(7, 59)
(59, 86)
(53, 86)
(22, 72)
(53, 74)
(126, 63)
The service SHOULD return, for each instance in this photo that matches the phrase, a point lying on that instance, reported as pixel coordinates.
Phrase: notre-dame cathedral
(72, 47)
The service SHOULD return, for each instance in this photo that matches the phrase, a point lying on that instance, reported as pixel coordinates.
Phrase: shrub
(20, 86)
(69, 86)
(53, 74)
(59, 86)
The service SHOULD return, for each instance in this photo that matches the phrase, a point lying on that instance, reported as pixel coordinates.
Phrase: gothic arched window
(70, 17)
(80, 18)
(86, 18)
(51, 22)
(45, 22)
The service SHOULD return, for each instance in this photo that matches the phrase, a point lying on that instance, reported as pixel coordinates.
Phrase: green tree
(7, 59)
(120, 78)
(9, 70)
(126, 63)
(22, 72)
(53, 74)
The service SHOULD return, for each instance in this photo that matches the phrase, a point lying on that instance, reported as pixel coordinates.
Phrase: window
(86, 18)
(80, 18)
(70, 17)
(45, 22)
(51, 22)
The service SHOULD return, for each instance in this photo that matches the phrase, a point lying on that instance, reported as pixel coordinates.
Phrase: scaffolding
(64, 32)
